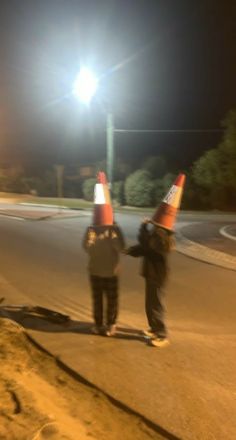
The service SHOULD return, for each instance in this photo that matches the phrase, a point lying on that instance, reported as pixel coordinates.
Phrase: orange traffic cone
(103, 214)
(166, 213)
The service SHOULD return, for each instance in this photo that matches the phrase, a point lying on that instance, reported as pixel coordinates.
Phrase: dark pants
(108, 287)
(154, 308)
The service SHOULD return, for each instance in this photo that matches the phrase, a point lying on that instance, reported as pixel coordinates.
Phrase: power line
(186, 130)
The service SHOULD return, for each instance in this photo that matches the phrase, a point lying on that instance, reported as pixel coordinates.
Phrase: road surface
(188, 389)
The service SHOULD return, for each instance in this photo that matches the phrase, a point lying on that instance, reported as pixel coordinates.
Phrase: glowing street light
(85, 85)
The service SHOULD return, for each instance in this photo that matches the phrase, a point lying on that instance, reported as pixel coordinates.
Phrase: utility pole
(59, 173)
(110, 147)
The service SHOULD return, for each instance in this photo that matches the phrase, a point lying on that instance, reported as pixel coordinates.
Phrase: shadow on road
(51, 321)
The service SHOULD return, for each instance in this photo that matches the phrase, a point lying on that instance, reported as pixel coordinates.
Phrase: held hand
(146, 220)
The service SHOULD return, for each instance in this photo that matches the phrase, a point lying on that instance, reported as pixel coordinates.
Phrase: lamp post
(85, 87)
(110, 147)
(59, 173)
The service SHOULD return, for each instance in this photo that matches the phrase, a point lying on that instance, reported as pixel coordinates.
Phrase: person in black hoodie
(104, 244)
(103, 241)
(154, 245)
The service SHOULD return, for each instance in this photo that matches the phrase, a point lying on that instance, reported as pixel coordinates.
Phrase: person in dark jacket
(104, 243)
(154, 246)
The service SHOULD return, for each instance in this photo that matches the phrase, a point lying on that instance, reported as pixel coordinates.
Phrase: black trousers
(154, 308)
(107, 287)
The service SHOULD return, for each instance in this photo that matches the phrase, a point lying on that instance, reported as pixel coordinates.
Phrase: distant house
(79, 172)
(86, 171)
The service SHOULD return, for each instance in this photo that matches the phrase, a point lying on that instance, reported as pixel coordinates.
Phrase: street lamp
(85, 88)
(85, 85)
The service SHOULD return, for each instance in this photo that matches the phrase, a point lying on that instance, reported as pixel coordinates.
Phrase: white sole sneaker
(148, 333)
(110, 331)
(159, 342)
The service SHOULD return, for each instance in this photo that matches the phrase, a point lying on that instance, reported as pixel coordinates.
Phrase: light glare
(85, 85)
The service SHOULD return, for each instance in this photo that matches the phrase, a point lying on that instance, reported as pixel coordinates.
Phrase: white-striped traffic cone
(165, 215)
(103, 213)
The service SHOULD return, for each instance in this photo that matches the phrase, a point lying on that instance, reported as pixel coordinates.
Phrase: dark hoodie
(154, 246)
(103, 245)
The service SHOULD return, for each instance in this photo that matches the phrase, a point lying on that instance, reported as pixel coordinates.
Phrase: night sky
(168, 64)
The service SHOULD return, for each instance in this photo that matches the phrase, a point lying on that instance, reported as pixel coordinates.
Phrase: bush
(162, 186)
(214, 172)
(44, 186)
(156, 165)
(118, 192)
(13, 184)
(33, 185)
(73, 187)
(139, 189)
(48, 185)
(88, 189)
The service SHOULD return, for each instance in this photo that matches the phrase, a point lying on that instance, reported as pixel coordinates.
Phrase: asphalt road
(218, 235)
(189, 388)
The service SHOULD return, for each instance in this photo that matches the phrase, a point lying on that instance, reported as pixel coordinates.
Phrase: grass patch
(83, 204)
(68, 203)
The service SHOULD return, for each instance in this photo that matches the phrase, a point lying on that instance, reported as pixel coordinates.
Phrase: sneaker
(110, 330)
(97, 330)
(149, 333)
(159, 342)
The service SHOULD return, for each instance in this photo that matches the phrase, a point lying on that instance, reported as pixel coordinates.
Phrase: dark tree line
(211, 181)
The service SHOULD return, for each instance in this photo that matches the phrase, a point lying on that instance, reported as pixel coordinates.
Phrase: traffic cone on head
(166, 213)
(103, 213)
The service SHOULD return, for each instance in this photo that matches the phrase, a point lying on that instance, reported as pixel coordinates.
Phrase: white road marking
(226, 234)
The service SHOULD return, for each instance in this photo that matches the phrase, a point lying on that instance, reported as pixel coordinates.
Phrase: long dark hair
(166, 237)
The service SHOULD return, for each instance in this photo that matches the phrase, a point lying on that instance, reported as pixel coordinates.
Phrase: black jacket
(103, 245)
(153, 247)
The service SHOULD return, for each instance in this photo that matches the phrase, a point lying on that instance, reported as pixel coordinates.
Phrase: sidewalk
(186, 390)
(202, 253)
(26, 211)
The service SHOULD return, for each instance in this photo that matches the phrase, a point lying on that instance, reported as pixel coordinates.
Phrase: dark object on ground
(43, 312)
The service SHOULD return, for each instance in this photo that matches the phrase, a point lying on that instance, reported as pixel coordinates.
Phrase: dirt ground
(39, 400)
